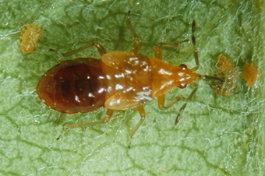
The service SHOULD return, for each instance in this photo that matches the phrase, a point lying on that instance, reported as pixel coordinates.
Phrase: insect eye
(183, 66)
(183, 85)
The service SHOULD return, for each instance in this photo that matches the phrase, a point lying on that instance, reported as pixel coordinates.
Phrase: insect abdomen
(73, 86)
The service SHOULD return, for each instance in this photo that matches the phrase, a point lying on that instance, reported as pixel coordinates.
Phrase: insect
(30, 38)
(118, 81)
(249, 73)
(227, 73)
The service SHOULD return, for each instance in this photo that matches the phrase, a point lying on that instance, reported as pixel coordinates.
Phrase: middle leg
(142, 114)
(136, 42)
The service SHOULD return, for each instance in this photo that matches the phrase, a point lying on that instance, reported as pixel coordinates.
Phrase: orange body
(249, 73)
(119, 80)
(30, 38)
(227, 73)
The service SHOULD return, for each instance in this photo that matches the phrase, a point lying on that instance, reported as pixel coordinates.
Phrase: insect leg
(99, 47)
(76, 125)
(142, 114)
(161, 101)
(195, 51)
(158, 53)
(187, 100)
(136, 39)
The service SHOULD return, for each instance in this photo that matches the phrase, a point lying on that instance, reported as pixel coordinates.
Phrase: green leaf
(215, 135)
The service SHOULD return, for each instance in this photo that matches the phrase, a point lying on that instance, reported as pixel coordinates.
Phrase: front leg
(158, 53)
(161, 101)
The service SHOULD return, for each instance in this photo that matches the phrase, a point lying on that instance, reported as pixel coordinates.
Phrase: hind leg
(83, 124)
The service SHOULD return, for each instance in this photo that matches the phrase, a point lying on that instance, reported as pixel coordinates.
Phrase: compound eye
(183, 66)
(183, 85)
